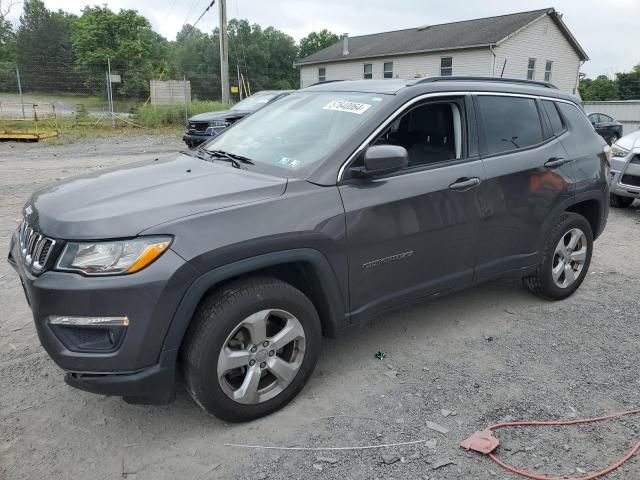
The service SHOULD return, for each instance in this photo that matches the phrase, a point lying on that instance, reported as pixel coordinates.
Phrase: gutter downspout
(493, 66)
(577, 92)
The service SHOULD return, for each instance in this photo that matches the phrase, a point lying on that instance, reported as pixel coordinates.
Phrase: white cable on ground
(319, 449)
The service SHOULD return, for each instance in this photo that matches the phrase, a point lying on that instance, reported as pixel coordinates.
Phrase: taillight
(607, 153)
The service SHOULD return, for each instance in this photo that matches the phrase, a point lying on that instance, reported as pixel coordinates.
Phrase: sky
(607, 30)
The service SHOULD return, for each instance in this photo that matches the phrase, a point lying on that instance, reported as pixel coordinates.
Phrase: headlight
(112, 258)
(617, 151)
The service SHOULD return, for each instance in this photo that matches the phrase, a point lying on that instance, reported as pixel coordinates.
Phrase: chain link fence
(83, 92)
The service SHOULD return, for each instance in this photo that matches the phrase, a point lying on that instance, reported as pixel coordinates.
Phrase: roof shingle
(464, 34)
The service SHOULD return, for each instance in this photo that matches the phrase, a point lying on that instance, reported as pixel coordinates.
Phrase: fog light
(89, 321)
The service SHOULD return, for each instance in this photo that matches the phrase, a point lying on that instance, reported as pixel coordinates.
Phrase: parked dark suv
(224, 267)
(204, 126)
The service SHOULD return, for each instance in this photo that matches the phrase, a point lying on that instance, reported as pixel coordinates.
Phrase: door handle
(464, 184)
(555, 162)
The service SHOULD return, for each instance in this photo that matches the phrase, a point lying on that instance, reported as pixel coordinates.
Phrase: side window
(557, 125)
(509, 123)
(605, 118)
(432, 133)
(594, 118)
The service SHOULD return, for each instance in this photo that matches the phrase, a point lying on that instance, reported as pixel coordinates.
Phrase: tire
(232, 317)
(618, 201)
(543, 282)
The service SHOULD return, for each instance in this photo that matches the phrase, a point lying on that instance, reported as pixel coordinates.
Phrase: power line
(200, 17)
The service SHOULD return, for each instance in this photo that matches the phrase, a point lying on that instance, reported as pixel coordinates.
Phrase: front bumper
(193, 140)
(625, 176)
(149, 298)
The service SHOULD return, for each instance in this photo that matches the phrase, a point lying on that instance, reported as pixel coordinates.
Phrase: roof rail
(487, 79)
(323, 82)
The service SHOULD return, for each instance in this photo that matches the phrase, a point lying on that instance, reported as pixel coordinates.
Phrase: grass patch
(165, 115)
(92, 103)
(70, 131)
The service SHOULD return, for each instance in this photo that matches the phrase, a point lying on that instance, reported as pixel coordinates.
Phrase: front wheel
(617, 201)
(566, 258)
(251, 348)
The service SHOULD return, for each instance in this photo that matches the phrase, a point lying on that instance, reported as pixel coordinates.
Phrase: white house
(534, 45)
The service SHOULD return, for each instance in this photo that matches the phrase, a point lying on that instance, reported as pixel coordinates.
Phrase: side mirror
(382, 159)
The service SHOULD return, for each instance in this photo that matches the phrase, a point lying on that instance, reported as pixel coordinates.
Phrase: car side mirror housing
(382, 159)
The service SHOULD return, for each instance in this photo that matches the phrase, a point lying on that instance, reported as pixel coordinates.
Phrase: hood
(220, 115)
(631, 141)
(125, 201)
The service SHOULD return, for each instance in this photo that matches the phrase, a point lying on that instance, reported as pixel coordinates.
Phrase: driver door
(413, 233)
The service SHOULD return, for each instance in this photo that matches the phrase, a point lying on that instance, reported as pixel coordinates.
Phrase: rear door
(413, 233)
(528, 174)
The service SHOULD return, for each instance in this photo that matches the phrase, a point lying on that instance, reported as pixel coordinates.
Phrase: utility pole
(224, 51)
(20, 90)
(110, 93)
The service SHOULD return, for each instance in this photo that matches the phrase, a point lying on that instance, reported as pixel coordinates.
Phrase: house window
(531, 69)
(368, 71)
(322, 74)
(446, 66)
(388, 70)
(547, 71)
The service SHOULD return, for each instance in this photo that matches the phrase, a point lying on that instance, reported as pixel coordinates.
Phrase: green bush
(164, 115)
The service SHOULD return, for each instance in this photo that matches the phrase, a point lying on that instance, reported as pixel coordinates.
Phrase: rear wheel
(566, 258)
(618, 201)
(251, 348)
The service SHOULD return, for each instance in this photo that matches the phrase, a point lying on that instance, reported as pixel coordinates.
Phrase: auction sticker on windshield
(346, 106)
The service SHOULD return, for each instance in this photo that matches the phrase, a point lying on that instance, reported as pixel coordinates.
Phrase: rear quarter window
(557, 125)
(509, 123)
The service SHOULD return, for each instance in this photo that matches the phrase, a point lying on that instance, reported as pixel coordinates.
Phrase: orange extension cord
(607, 470)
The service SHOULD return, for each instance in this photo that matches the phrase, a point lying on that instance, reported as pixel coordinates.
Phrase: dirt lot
(489, 354)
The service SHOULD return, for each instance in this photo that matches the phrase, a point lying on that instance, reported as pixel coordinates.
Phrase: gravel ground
(489, 354)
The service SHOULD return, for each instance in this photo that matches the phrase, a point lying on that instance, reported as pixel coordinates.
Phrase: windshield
(298, 131)
(254, 102)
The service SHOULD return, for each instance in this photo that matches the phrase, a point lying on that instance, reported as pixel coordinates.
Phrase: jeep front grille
(35, 248)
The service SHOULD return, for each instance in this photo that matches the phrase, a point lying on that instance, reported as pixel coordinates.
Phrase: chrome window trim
(425, 96)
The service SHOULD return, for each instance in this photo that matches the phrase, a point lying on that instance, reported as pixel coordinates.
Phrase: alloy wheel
(261, 357)
(569, 258)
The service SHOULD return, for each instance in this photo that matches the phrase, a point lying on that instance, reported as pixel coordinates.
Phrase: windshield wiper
(208, 155)
(230, 156)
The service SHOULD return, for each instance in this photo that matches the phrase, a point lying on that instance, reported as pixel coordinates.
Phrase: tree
(264, 56)
(43, 48)
(602, 88)
(316, 41)
(7, 50)
(196, 55)
(125, 38)
(629, 84)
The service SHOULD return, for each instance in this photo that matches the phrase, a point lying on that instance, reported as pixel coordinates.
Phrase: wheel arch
(306, 269)
(591, 205)
(591, 209)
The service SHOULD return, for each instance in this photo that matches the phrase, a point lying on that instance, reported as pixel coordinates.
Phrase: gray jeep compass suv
(223, 267)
